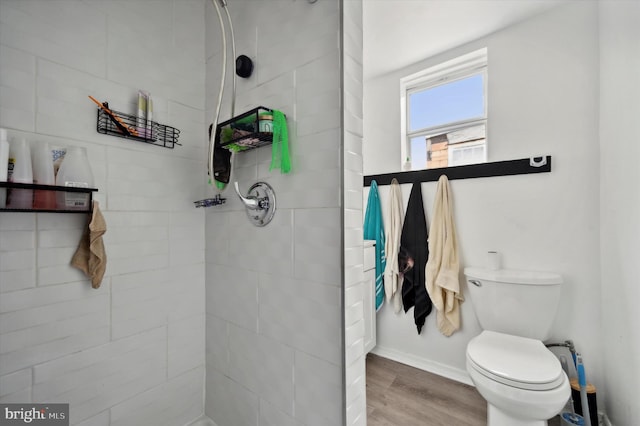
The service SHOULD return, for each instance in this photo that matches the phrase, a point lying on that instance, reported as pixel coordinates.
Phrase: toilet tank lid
(514, 276)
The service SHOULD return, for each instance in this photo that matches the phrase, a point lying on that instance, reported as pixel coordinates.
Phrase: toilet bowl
(521, 380)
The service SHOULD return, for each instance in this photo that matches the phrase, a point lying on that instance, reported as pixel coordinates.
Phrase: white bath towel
(392, 276)
(442, 271)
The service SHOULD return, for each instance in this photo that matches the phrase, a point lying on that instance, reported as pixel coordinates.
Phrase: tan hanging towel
(90, 256)
(443, 268)
(392, 274)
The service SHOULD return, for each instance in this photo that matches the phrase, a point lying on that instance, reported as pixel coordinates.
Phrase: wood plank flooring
(400, 395)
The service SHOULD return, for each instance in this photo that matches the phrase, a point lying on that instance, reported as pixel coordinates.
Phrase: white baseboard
(424, 364)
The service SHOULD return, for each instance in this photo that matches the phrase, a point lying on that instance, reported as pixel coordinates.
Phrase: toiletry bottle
(20, 171)
(407, 165)
(150, 130)
(75, 172)
(42, 162)
(141, 120)
(4, 166)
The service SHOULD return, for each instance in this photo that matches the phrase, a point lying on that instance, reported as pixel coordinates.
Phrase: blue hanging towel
(374, 230)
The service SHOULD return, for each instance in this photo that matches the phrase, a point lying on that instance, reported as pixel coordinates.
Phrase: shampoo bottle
(42, 162)
(74, 172)
(4, 166)
(20, 171)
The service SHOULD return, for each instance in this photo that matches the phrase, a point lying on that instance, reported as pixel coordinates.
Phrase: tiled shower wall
(354, 356)
(131, 352)
(274, 296)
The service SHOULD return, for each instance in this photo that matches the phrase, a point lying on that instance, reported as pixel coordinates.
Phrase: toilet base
(497, 417)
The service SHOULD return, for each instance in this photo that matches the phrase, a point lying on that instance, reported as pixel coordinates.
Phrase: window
(444, 114)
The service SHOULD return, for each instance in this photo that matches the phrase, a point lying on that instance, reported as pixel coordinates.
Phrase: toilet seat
(515, 361)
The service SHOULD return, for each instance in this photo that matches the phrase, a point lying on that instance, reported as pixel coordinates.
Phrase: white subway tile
(17, 280)
(16, 385)
(56, 256)
(138, 263)
(186, 345)
(354, 351)
(96, 379)
(217, 345)
(186, 291)
(60, 238)
(139, 302)
(17, 260)
(30, 298)
(263, 366)
(17, 221)
(318, 395)
(51, 31)
(176, 402)
(271, 416)
(301, 314)
(17, 88)
(229, 403)
(232, 295)
(51, 315)
(307, 189)
(101, 419)
(353, 313)
(317, 233)
(40, 353)
(268, 248)
(16, 240)
(217, 234)
(52, 275)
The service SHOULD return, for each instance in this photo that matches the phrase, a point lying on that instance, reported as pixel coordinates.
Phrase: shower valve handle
(249, 202)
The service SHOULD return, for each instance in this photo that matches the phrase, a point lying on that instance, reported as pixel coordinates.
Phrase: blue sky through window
(459, 100)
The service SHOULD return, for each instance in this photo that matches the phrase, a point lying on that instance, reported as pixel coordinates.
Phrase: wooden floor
(399, 395)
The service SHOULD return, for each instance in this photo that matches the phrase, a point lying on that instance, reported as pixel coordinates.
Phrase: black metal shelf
(497, 168)
(53, 188)
(242, 133)
(148, 131)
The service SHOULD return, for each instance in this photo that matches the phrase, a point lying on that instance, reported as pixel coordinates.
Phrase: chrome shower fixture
(260, 203)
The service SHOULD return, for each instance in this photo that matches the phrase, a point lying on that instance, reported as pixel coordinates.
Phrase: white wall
(620, 206)
(543, 99)
(131, 352)
(274, 295)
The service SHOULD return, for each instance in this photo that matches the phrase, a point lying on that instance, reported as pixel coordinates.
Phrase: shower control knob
(244, 66)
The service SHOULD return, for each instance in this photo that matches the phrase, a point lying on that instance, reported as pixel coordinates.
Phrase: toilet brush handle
(582, 381)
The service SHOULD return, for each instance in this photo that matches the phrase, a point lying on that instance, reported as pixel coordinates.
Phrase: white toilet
(522, 381)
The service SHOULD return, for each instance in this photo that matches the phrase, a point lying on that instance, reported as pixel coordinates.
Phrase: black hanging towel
(414, 252)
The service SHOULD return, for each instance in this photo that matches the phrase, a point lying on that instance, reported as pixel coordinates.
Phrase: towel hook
(537, 161)
(260, 203)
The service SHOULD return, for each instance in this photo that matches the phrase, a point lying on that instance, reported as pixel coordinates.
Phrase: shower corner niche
(53, 191)
(246, 131)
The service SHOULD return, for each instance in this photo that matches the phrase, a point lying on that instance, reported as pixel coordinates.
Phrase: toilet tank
(522, 303)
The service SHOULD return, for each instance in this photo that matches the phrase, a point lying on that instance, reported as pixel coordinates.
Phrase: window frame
(468, 65)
